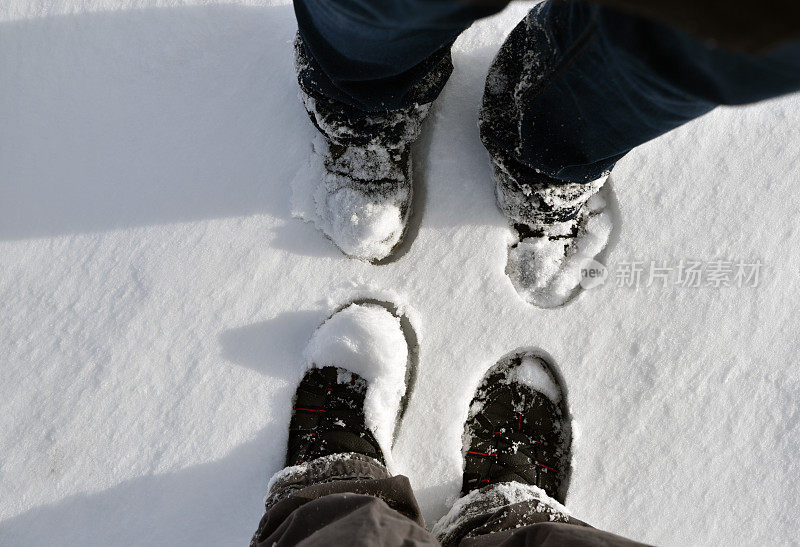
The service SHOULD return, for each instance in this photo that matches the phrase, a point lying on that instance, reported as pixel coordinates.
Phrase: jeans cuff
(347, 125)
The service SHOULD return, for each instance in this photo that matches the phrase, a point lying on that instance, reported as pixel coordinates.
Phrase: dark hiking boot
(361, 190)
(328, 417)
(328, 440)
(518, 429)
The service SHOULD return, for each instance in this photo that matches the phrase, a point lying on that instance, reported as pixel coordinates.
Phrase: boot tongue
(518, 446)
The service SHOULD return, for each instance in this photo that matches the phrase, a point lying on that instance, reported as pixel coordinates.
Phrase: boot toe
(364, 225)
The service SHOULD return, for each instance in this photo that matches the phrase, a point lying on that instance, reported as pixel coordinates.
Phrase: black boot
(362, 198)
(560, 226)
(519, 429)
(328, 417)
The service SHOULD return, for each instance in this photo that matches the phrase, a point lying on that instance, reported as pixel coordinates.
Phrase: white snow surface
(156, 293)
(368, 340)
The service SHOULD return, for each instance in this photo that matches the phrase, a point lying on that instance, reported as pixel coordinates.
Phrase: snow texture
(156, 294)
(367, 339)
(533, 373)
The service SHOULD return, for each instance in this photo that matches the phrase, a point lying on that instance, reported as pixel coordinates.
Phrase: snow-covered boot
(328, 417)
(518, 429)
(559, 228)
(517, 444)
(556, 227)
(348, 403)
(358, 187)
(351, 398)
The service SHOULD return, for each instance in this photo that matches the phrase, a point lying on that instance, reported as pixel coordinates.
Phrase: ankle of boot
(347, 125)
(541, 202)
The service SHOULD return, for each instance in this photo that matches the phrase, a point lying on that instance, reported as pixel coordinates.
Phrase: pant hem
(336, 467)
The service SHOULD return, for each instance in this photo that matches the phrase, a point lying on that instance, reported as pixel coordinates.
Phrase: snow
(365, 225)
(496, 496)
(359, 195)
(549, 272)
(368, 340)
(157, 294)
(533, 373)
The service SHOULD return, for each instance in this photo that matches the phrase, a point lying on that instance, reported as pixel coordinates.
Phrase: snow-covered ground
(156, 293)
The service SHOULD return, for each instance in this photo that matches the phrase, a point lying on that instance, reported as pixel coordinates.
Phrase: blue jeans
(579, 85)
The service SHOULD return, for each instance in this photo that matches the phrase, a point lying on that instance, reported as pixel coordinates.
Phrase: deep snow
(156, 293)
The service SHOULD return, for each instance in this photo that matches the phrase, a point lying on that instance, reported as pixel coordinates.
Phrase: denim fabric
(373, 55)
(585, 84)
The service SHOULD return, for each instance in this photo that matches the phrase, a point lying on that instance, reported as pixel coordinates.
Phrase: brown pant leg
(512, 514)
(550, 534)
(341, 500)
